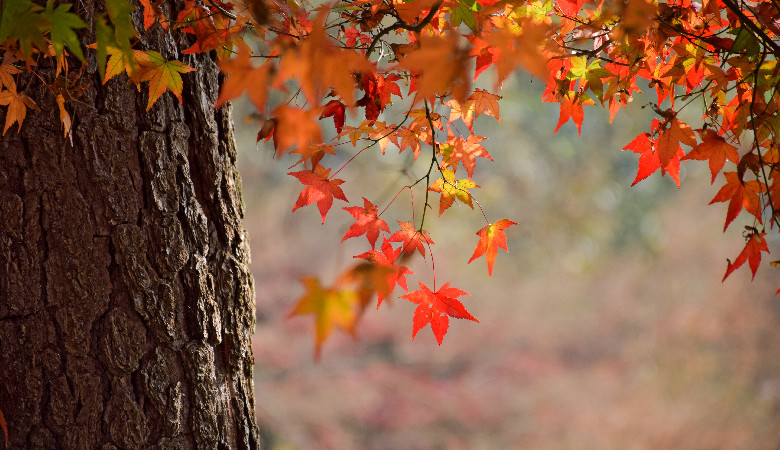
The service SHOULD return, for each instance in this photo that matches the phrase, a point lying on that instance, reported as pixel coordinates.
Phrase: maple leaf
(242, 76)
(451, 189)
(648, 159)
(62, 27)
(330, 307)
(21, 21)
(152, 12)
(387, 258)
(491, 238)
(754, 245)
(716, 150)
(64, 118)
(17, 107)
(436, 308)
(571, 108)
(466, 152)
(163, 75)
(447, 73)
(668, 143)
(319, 188)
(739, 194)
(212, 31)
(295, 127)
(411, 237)
(481, 101)
(311, 63)
(371, 279)
(366, 222)
(313, 153)
(7, 71)
(337, 110)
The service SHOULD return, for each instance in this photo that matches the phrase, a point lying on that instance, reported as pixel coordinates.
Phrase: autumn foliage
(377, 76)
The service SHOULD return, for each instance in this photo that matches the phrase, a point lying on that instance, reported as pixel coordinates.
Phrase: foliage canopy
(328, 76)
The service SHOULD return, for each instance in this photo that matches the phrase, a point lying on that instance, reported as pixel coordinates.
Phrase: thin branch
(404, 26)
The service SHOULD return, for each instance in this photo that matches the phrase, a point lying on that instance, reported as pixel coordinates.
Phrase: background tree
(127, 306)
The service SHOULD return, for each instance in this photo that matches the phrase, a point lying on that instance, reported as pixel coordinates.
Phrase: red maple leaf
(386, 259)
(649, 161)
(153, 11)
(335, 109)
(571, 109)
(319, 188)
(436, 308)
(411, 237)
(739, 194)
(754, 245)
(366, 222)
(491, 237)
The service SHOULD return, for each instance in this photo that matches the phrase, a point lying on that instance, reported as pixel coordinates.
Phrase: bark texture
(126, 302)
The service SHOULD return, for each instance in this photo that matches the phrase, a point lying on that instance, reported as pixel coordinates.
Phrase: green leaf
(119, 12)
(104, 35)
(63, 24)
(162, 76)
(463, 14)
(744, 40)
(21, 21)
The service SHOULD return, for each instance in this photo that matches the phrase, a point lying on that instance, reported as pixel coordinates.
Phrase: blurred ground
(606, 327)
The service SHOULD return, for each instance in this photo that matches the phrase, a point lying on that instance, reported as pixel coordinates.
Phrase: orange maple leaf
(465, 151)
(387, 258)
(17, 103)
(243, 76)
(319, 188)
(491, 237)
(152, 12)
(668, 143)
(739, 194)
(716, 150)
(440, 66)
(311, 63)
(754, 245)
(481, 101)
(313, 153)
(371, 279)
(366, 222)
(295, 127)
(411, 237)
(436, 308)
(330, 307)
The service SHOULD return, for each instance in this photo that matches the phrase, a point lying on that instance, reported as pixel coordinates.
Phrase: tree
(410, 62)
(127, 304)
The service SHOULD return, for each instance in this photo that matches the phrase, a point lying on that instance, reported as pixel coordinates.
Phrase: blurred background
(605, 327)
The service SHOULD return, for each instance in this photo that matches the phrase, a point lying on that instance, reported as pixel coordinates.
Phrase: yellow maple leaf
(330, 306)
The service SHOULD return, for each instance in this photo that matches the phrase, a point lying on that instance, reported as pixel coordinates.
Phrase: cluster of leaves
(353, 63)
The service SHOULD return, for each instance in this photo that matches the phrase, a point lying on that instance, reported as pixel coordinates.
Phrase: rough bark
(126, 302)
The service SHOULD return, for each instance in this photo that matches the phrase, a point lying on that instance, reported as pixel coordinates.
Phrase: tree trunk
(126, 302)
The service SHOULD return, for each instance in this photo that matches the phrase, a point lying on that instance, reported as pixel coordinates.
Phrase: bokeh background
(605, 327)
